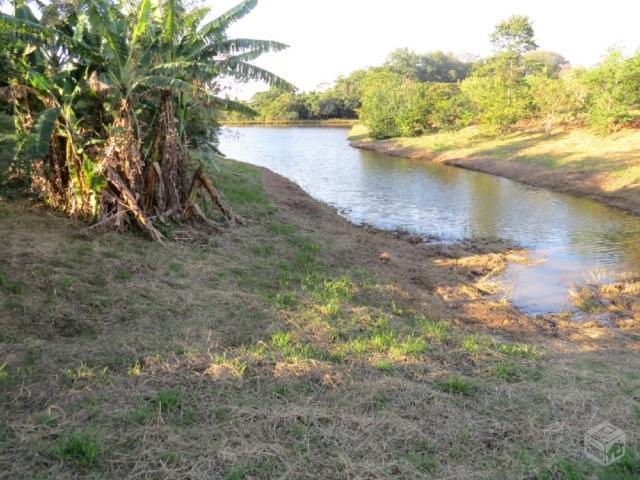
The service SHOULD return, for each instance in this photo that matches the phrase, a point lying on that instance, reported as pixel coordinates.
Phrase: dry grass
(288, 349)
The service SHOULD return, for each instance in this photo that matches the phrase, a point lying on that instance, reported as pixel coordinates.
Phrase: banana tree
(113, 131)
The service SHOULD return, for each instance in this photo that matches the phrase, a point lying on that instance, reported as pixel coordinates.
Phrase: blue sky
(333, 37)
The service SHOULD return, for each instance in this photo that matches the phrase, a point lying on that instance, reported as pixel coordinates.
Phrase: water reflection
(573, 235)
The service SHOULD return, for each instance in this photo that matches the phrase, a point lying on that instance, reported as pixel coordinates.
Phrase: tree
(542, 61)
(614, 91)
(429, 67)
(498, 93)
(395, 106)
(514, 35)
(113, 89)
(553, 99)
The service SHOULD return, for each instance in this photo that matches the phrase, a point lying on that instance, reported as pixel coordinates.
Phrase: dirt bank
(596, 185)
(297, 346)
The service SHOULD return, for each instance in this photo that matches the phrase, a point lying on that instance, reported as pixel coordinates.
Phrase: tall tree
(514, 35)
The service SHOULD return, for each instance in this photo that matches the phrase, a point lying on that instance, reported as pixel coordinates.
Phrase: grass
(568, 150)
(284, 348)
(457, 385)
(81, 447)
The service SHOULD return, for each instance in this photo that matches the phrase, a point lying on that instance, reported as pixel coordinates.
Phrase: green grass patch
(456, 385)
(10, 286)
(82, 447)
(477, 343)
(167, 400)
(523, 350)
(384, 365)
(508, 372)
(424, 462)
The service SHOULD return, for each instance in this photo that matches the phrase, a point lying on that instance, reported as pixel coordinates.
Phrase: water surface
(574, 236)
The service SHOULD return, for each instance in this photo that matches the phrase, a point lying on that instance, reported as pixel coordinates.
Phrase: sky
(329, 38)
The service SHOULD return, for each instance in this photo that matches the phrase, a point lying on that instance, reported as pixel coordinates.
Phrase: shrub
(614, 91)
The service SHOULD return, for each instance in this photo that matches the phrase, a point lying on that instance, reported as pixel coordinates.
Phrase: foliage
(108, 98)
(498, 92)
(341, 101)
(514, 35)
(614, 91)
(429, 67)
(393, 106)
(543, 61)
(553, 99)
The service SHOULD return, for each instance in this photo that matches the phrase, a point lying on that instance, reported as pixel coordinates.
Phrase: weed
(222, 413)
(378, 401)
(455, 385)
(49, 421)
(171, 458)
(135, 370)
(506, 371)
(167, 400)
(82, 447)
(384, 365)
(382, 341)
(433, 329)
(281, 340)
(281, 390)
(520, 350)
(84, 372)
(424, 462)
(283, 301)
(410, 346)
(142, 414)
(477, 343)
(10, 286)
(281, 228)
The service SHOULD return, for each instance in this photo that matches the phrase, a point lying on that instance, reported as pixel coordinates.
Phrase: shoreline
(581, 184)
(295, 320)
(293, 123)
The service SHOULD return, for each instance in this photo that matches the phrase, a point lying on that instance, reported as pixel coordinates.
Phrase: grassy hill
(297, 346)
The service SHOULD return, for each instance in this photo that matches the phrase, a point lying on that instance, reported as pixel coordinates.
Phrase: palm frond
(142, 20)
(41, 35)
(229, 105)
(185, 68)
(246, 71)
(164, 83)
(214, 30)
(237, 45)
(171, 11)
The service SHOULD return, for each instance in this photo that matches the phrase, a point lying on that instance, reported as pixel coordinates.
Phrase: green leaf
(40, 135)
(144, 14)
(215, 29)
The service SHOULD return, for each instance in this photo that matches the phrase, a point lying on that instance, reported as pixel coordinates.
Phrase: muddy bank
(585, 184)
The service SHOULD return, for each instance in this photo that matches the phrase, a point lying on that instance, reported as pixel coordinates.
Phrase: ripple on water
(573, 235)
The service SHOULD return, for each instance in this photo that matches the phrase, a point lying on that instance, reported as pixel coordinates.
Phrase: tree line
(115, 105)
(413, 93)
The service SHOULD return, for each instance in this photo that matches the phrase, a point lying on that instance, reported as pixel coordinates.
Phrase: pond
(575, 237)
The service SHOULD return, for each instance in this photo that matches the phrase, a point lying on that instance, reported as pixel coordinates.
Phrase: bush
(394, 106)
(554, 99)
(614, 91)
